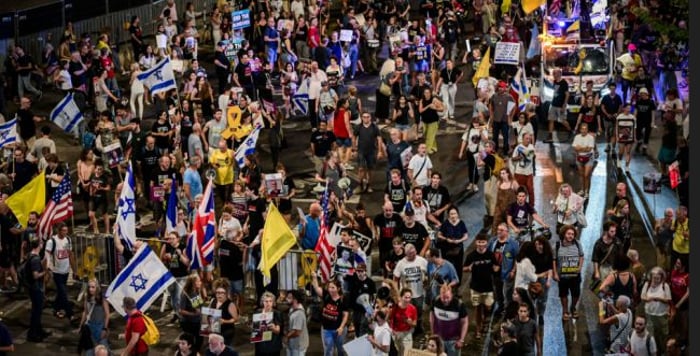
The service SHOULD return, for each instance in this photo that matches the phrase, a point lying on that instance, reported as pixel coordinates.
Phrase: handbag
(385, 89)
(535, 289)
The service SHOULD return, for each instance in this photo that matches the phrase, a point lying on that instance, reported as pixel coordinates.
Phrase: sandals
(566, 317)
(574, 314)
(60, 314)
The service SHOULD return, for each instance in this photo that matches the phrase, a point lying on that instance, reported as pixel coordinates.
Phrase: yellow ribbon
(309, 264)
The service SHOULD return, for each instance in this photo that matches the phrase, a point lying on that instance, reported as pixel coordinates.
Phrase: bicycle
(530, 233)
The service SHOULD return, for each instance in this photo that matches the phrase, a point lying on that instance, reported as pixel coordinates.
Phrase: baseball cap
(502, 84)
(221, 43)
(631, 47)
(361, 267)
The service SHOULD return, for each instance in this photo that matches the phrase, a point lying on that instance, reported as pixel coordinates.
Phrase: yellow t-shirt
(680, 243)
(630, 70)
(224, 173)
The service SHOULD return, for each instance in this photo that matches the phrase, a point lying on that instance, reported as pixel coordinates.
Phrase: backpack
(152, 334)
(500, 164)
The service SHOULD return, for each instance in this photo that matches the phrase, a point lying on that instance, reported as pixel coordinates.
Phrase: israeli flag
(66, 114)
(159, 78)
(519, 84)
(8, 133)
(171, 212)
(301, 98)
(248, 146)
(126, 210)
(144, 279)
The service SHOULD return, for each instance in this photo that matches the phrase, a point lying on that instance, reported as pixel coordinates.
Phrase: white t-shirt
(66, 83)
(315, 80)
(624, 323)
(584, 141)
(475, 138)
(638, 344)
(522, 130)
(382, 336)
(421, 213)
(411, 274)
(415, 164)
(59, 255)
(524, 165)
(656, 308)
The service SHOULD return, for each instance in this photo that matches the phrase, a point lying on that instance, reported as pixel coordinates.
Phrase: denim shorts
(343, 142)
(403, 128)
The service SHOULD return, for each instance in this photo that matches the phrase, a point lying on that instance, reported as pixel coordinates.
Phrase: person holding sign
(271, 343)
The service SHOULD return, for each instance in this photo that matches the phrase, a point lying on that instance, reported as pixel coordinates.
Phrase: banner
(507, 53)
(240, 19)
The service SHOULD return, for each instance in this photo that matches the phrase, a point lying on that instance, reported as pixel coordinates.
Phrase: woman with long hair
(334, 316)
(656, 295)
(402, 116)
(229, 312)
(680, 292)
(525, 269)
(541, 257)
(86, 166)
(621, 281)
(203, 95)
(96, 313)
(435, 346)
(191, 301)
(505, 196)
(473, 140)
(289, 79)
(451, 237)
(148, 60)
(623, 219)
(403, 319)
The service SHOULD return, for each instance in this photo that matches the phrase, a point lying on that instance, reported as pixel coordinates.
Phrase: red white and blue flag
(60, 208)
(203, 232)
(323, 246)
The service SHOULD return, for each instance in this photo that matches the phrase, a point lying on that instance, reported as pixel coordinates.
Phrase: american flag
(323, 246)
(59, 208)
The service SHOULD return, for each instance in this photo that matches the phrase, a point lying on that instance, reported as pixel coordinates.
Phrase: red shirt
(136, 324)
(340, 130)
(679, 285)
(313, 33)
(107, 63)
(398, 317)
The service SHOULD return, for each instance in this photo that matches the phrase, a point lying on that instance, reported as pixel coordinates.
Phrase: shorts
(98, 204)
(572, 285)
(402, 128)
(343, 142)
(421, 66)
(556, 114)
(236, 286)
(366, 160)
(587, 164)
(485, 299)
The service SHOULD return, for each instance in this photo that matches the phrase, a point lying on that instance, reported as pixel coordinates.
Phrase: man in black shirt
(25, 65)
(158, 178)
(482, 264)
(414, 233)
(557, 108)
(78, 72)
(27, 121)
(437, 196)
(360, 284)
(645, 116)
(148, 160)
(243, 76)
(99, 186)
(387, 224)
(21, 171)
(610, 107)
(223, 66)
(163, 133)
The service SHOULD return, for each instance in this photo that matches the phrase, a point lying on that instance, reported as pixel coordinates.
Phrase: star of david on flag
(159, 78)
(248, 146)
(126, 210)
(8, 133)
(145, 278)
(66, 114)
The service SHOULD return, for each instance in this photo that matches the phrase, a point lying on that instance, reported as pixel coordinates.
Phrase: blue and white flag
(159, 78)
(8, 133)
(248, 146)
(301, 98)
(66, 114)
(519, 84)
(144, 279)
(171, 211)
(535, 48)
(126, 210)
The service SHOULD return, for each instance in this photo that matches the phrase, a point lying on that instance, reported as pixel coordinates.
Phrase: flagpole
(72, 216)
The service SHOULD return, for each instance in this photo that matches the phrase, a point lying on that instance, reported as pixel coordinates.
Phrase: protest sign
(507, 53)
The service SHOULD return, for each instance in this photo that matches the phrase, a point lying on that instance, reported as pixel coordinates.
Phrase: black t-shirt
(393, 259)
(416, 235)
(611, 105)
(25, 171)
(521, 214)
(175, 266)
(301, 33)
(560, 89)
(397, 194)
(221, 57)
(323, 142)
(482, 270)
(387, 227)
(358, 287)
(450, 76)
(245, 74)
(25, 60)
(256, 208)
(526, 332)
(162, 142)
(489, 165)
(76, 80)
(645, 108)
(159, 175)
(590, 117)
(99, 182)
(332, 312)
(149, 161)
(509, 349)
(34, 265)
(367, 138)
(231, 260)
(27, 126)
(437, 198)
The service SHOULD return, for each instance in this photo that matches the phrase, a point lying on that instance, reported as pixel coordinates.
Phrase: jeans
(272, 56)
(667, 80)
(354, 54)
(96, 330)
(448, 93)
(291, 352)
(37, 298)
(451, 348)
(331, 340)
(61, 302)
(418, 303)
(175, 291)
(25, 83)
(502, 128)
(113, 86)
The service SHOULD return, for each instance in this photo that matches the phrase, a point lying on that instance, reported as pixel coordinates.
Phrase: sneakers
(607, 148)
(476, 188)
(470, 187)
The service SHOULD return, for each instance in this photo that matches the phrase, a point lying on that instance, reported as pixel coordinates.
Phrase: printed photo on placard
(274, 185)
(261, 327)
(114, 153)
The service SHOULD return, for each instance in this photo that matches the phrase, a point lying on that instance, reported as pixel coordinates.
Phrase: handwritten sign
(345, 35)
(240, 19)
(507, 53)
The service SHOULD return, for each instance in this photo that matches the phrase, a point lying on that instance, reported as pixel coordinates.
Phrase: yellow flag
(483, 70)
(32, 197)
(277, 239)
(505, 6)
(532, 5)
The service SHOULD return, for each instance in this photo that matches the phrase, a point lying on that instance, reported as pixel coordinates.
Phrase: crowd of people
(187, 135)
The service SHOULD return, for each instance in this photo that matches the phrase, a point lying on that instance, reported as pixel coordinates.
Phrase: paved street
(553, 168)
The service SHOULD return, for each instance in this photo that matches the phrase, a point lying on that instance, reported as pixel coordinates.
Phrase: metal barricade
(95, 257)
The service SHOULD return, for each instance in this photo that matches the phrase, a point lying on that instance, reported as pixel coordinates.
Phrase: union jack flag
(323, 246)
(60, 208)
(203, 232)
